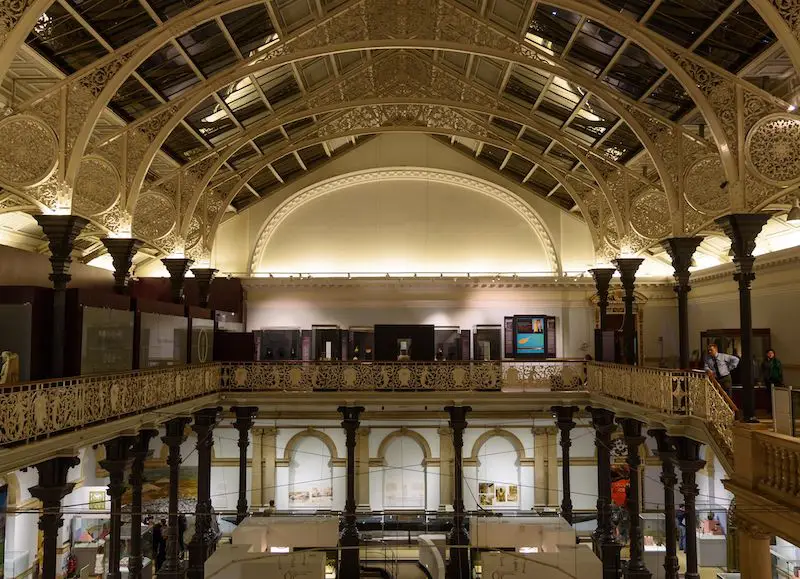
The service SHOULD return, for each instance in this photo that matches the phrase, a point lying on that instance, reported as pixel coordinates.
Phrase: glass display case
(362, 344)
(147, 550)
(786, 559)
(488, 342)
(448, 343)
(162, 340)
(327, 342)
(279, 344)
(107, 340)
(712, 545)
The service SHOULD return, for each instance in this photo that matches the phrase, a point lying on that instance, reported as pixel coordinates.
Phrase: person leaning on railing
(719, 366)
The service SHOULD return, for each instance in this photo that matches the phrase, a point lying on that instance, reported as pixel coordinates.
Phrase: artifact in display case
(146, 533)
(279, 344)
(361, 344)
(712, 546)
(488, 342)
(448, 346)
(327, 342)
(654, 530)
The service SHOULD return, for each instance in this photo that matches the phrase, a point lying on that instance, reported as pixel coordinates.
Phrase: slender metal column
(628, 266)
(175, 436)
(602, 281)
(118, 459)
(606, 546)
(245, 416)
(139, 453)
(742, 229)
(681, 250)
(634, 439)
(460, 566)
(203, 542)
(349, 537)
(689, 461)
(52, 488)
(565, 424)
(667, 453)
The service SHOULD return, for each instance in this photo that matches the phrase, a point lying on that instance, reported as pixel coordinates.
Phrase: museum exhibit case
(161, 329)
(654, 531)
(25, 329)
(397, 342)
(712, 546)
(326, 342)
(201, 335)
(448, 343)
(361, 344)
(278, 343)
(785, 559)
(488, 342)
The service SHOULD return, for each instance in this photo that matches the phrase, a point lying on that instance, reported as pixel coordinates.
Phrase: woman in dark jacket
(771, 373)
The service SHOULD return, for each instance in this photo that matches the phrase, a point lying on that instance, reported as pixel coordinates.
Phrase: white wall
(237, 236)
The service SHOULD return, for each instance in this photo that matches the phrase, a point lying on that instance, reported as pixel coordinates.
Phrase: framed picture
(97, 500)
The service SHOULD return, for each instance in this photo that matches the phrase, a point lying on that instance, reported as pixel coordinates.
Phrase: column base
(612, 563)
(637, 574)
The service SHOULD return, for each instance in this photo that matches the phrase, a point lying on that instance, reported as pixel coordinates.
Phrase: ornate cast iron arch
(313, 192)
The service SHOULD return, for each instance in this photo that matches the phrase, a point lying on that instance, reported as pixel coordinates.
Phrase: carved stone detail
(97, 186)
(28, 151)
(703, 188)
(650, 214)
(772, 149)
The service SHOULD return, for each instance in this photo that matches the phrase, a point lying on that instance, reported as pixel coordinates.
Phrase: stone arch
(313, 433)
(407, 433)
(501, 432)
(328, 186)
(14, 494)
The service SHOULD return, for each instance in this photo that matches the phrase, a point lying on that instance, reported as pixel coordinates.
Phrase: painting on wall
(97, 500)
(156, 485)
(314, 496)
(492, 494)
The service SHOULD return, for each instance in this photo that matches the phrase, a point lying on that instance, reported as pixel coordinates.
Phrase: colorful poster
(529, 335)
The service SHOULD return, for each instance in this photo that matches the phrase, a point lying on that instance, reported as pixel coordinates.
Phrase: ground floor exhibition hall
(413, 490)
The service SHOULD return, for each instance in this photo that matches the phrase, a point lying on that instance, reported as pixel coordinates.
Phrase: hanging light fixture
(794, 212)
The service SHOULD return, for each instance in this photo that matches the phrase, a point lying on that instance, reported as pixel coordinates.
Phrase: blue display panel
(529, 336)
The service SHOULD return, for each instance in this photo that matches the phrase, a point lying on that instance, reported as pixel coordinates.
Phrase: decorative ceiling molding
(309, 194)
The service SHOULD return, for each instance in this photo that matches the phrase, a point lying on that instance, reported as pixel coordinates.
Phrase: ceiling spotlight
(794, 212)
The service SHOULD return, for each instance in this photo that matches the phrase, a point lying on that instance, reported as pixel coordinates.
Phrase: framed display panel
(327, 342)
(100, 333)
(530, 336)
(361, 344)
(466, 345)
(157, 329)
(279, 344)
(419, 342)
(228, 321)
(488, 343)
(202, 326)
(448, 343)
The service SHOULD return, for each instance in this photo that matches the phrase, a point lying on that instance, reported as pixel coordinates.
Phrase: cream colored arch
(309, 194)
(483, 438)
(404, 433)
(312, 433)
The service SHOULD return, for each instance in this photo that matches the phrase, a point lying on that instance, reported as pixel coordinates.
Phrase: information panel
(530, 336)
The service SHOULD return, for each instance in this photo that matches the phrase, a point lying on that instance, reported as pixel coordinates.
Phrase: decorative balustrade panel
(707, 401)
(404, 376)
(33, 410)
(778, 466)
(654, 388)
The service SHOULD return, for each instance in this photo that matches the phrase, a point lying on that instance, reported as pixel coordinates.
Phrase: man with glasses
(719, 366)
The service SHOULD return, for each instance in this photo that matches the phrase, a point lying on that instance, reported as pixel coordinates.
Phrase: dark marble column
(628, 266)
(460, 565)
(117, 461)
(177, 268)
(606, 546)
(204, 276)
(349, 537)
(245, 417)
(175, 436)
(141, 448)
(681, 250)
(203, 541)
(122, 251)
(602, 281)
(689, 462)
(61, 232)
(667, 454)
(565, 423)
(52, 488)
(632, 429)
(742, 229)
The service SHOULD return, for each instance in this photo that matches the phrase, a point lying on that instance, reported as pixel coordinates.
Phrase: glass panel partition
(107, 340)
(163, 340)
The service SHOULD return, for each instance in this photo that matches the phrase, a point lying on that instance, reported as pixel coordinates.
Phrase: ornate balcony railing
(35, 410)
(404, 376)
(776, 464)
(675, 392)
(32, 411)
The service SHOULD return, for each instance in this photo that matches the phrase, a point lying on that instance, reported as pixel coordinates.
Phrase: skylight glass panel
(67, 44)
(208, 48)
(594, 47)
(133, 100)
(634, 72)
(684, 21)
(117, 21)
(168, 72)
(551, 27)
(250, 28)
(738, 39)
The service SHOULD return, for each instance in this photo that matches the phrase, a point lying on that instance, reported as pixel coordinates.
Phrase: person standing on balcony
(719, 366)
(772, 372)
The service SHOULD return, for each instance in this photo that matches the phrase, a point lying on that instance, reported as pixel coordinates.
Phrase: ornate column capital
(122, 250)
(681, 250)
(118, 460)
(602, 280)
(627, 267)
(204, 277)
(742, 229)
(61, 232)
(177, 268)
